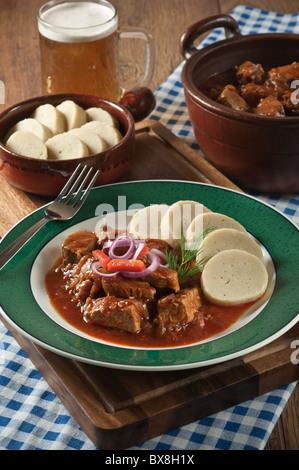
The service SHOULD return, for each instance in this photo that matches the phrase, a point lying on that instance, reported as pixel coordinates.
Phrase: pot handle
(187, 47)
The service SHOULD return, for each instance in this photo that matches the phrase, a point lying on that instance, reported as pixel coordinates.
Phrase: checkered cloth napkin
(33, 417)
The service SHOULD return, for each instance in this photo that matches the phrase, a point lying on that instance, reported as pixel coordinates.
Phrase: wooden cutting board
(118, 409)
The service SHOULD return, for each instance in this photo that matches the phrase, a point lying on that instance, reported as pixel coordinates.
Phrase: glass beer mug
(79, 48)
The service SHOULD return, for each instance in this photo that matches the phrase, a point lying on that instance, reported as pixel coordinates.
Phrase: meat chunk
(253, 93)
(126, 288)
(77, 245)
(291, 105)
(110, 311)
(81, 280)
(250, 72)
(270, 106)
(191, 281)
(177, 310)
(83, 289)
(163, 278)
(284, 74)
(158, 244)
(231, 98)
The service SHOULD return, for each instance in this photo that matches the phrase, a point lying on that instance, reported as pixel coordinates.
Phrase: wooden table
(166, 19)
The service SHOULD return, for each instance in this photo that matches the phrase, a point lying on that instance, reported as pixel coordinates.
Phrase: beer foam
(78, 22)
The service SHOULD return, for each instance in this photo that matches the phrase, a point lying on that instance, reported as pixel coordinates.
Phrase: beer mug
(79, 48)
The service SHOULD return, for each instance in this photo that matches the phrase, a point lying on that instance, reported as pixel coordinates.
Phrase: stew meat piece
(231, 98)
(177, 310)
(291, 104)
(126, 288)
(285, 74)
(110, 311)
(77, 245)
(163, 278)
(253, 93)
(270, 106)
(82, 280)
(250, 72)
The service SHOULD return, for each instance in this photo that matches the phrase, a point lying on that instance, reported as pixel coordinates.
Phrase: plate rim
(175, 366)
(190, 365)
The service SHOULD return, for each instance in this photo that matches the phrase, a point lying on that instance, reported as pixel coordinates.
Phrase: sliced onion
(122, 242)
(119, 242)
(138, 250)
(162, 257)
(155, 263)
(107, 244)
(95, 267)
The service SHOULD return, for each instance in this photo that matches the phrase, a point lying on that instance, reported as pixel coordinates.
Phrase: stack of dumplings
(63, 132)
(234, 272)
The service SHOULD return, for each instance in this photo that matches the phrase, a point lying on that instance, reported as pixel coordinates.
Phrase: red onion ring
(161, 256)
(155, 263)
(117, 242)
(124, 242)
(96, 265)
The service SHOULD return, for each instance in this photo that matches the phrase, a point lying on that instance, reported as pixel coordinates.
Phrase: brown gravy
(217, 320)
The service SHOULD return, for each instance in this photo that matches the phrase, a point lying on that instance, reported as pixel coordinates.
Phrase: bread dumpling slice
(227, 239)
(34, 126)
(65, 147)
(51, 117)
(93, 141)
(234, 277)
(75, 116)
(177, 219)
(108, 133)
(27, 144)
(99, 114)
(146, 222)
(210, 221)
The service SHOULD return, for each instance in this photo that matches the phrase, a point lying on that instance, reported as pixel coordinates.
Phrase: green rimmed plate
(275, 231)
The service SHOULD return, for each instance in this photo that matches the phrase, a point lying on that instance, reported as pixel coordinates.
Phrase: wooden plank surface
(166, 19)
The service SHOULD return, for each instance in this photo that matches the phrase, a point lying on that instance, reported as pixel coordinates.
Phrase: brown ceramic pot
(47, 177)
(258, 153)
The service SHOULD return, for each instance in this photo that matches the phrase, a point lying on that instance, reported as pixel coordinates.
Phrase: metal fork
(64, 207)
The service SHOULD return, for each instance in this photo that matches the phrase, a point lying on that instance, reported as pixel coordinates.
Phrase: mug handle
(187, 47)
(140, 101)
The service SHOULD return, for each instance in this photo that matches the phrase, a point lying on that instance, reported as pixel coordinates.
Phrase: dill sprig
(181, 262)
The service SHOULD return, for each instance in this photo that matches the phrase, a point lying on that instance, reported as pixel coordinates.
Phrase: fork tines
(76, 191)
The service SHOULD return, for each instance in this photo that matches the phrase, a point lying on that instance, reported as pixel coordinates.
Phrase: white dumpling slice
(93, 141)
(146, 222)
(34, 126)
(234, 277)
(227, 239)
(177, 219)
(51, 117)
(99, 114)
(27, 144)
(108, 133)
(65, 147)
(75, 116)
(209, 221)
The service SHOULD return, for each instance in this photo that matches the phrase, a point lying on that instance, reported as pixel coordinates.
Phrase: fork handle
(15, 246)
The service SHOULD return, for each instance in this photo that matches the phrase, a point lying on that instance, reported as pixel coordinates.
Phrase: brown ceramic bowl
(47, 177)
(259, 153)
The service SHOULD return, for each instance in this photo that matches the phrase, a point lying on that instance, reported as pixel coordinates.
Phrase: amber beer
(79, 51)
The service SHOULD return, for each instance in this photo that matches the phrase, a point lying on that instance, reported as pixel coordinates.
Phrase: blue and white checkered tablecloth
(32, 417)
